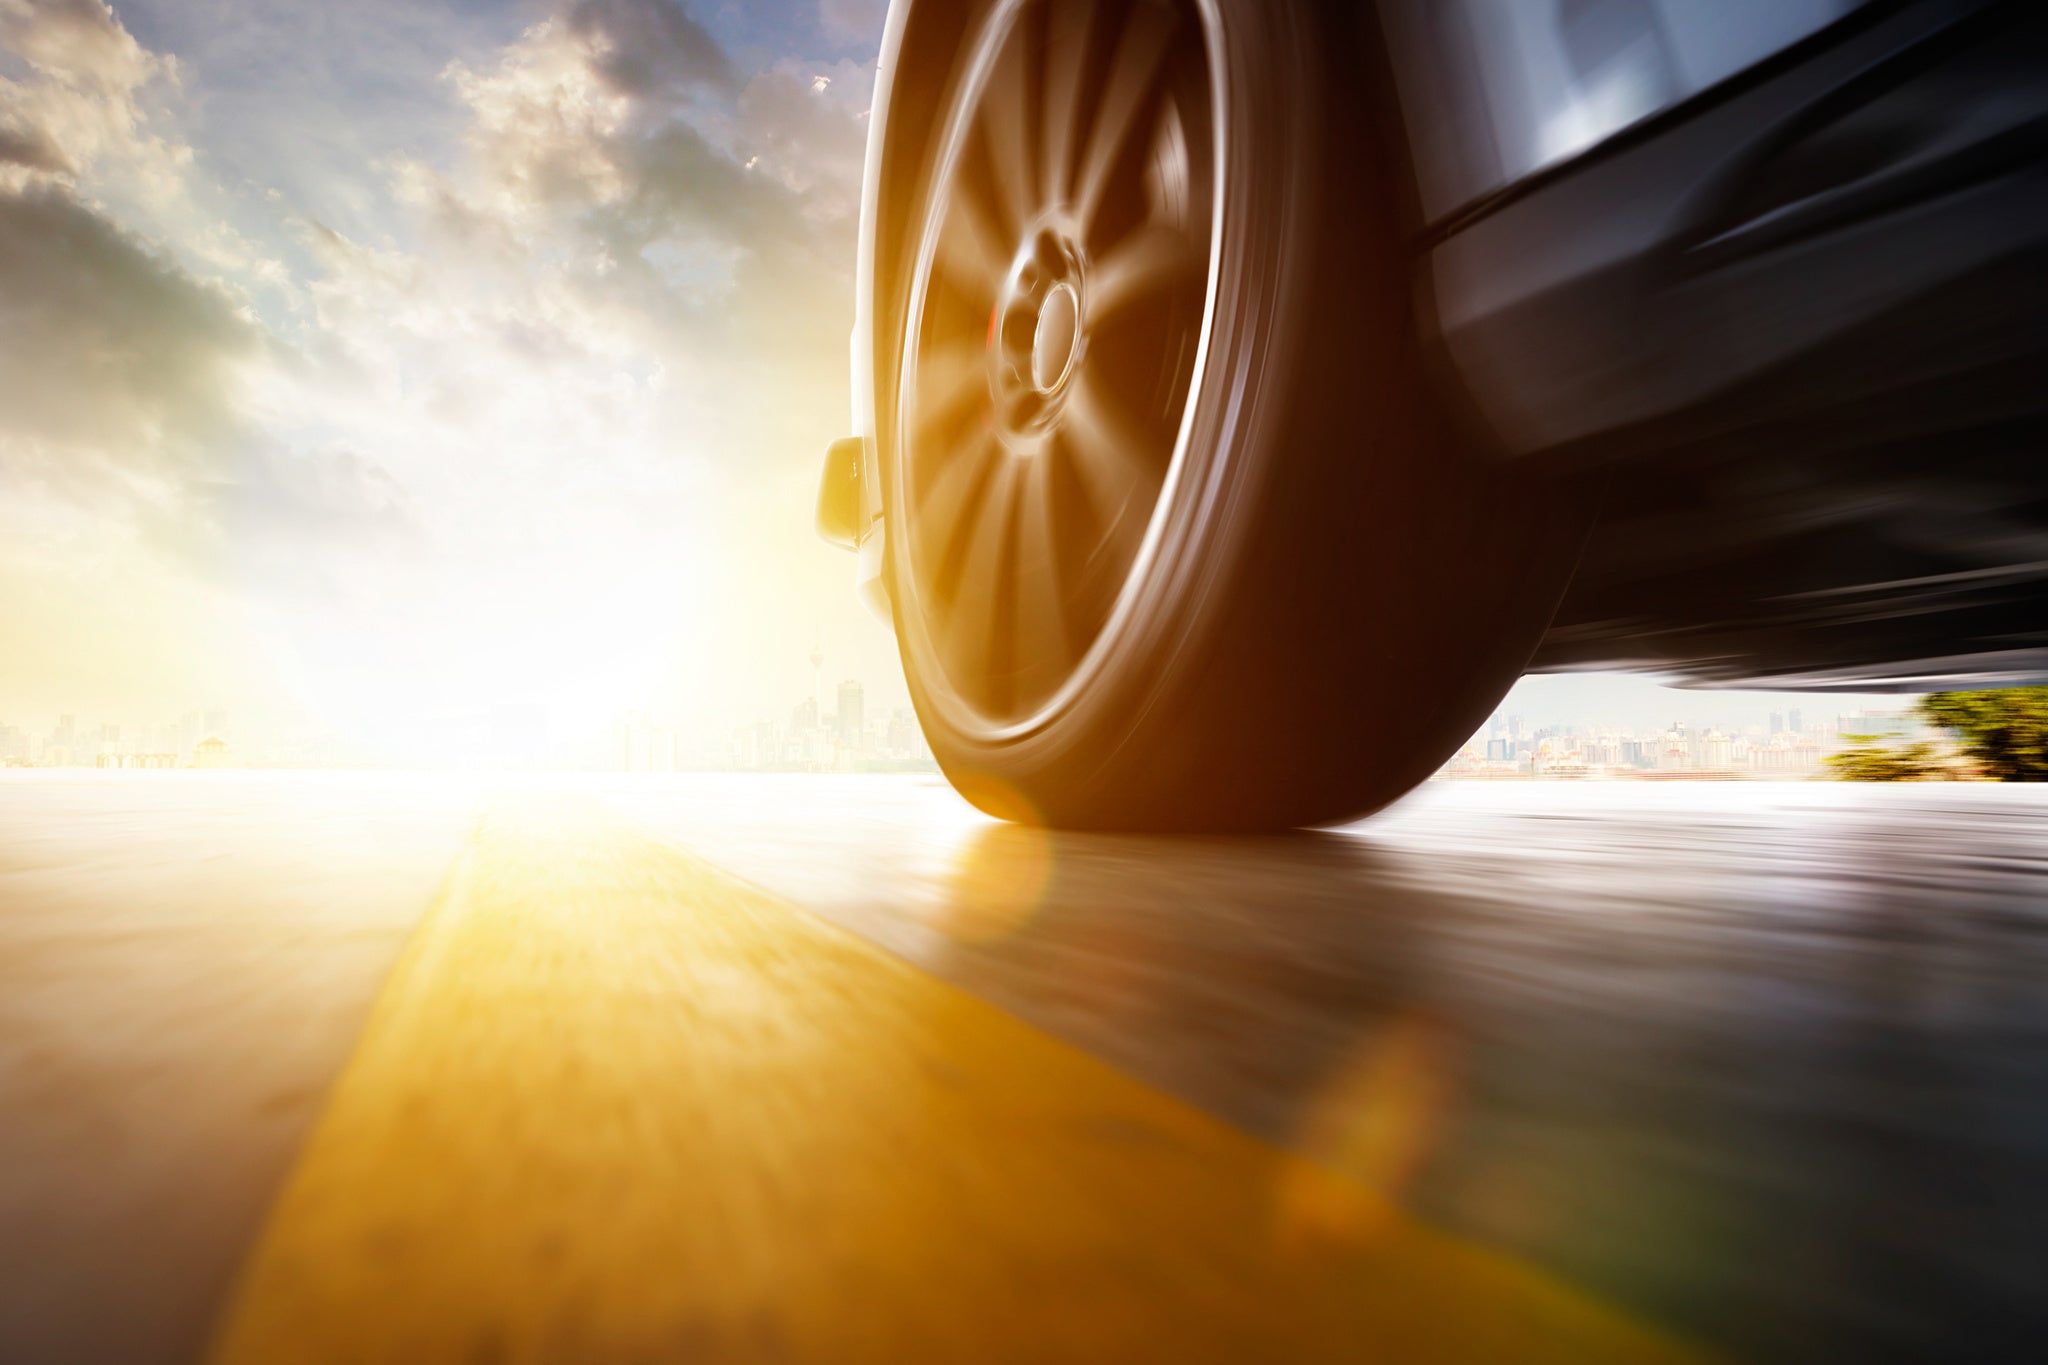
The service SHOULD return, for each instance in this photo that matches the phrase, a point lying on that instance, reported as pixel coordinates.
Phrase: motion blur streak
(616, 1105)
(184, 966)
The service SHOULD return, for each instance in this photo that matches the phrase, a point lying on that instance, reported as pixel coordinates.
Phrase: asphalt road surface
(359, 1067)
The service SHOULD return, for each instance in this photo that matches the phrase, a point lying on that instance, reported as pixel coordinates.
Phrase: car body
(1759, 283)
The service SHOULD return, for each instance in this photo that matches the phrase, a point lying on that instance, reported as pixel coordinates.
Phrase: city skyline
(1558, 701)
(515, 737)
(1786, 740)
(1793, 743)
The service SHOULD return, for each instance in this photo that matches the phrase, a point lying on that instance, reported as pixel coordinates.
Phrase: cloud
(807, 124)
(117, 365)
(24, 145)
(79, 41)
(85, 99)
(853, 21)
(672, 206)
(555, 126)
(644, 48)
(300, 523)
(547, 361)
(125, 375)
(108, 351)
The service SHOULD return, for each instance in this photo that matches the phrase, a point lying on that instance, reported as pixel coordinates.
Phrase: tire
(1180, 536)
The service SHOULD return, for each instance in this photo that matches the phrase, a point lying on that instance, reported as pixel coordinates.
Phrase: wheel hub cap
(1057, 338)
(1036, 344)
(1064, 276)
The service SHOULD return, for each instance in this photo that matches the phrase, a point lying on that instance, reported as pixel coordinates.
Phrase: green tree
(1869, 759)
(2004, 730)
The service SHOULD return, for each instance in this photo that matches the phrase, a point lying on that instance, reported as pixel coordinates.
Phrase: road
(343, 1067)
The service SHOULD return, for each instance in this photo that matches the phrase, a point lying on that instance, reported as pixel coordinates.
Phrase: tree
(2005, 730)
(1869, 759)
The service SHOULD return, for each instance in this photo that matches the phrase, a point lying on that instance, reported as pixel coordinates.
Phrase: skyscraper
(852, 720)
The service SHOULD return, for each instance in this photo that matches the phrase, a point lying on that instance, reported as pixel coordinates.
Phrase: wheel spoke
(1108, 453)
(1006, 120)
(1066, 54)
(970, 254)
(1149, 259)
(1043, 634)
(1054, 340)
(948, 379)
(976, 597)
(948, 502)
(1131, 73)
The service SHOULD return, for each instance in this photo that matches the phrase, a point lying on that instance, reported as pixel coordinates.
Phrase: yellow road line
(614, 1106)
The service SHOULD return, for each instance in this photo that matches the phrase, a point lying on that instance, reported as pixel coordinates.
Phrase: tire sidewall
(1070, 767)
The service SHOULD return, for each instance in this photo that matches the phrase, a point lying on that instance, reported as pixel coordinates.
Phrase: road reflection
(1767, 1101)
(1759, 1069)
(1241, 974)
(1767, 1065)
(613, 1105)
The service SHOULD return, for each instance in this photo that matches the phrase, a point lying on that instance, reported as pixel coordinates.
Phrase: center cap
(1052, 345)
(1037, 338)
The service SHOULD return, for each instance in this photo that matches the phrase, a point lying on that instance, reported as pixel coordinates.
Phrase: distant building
(211, 752)
(852, 714)
(646, 746)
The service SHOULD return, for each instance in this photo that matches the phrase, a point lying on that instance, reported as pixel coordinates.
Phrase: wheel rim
(1058, 323)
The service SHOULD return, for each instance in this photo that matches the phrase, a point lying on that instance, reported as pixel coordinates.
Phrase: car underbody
(1789, 339)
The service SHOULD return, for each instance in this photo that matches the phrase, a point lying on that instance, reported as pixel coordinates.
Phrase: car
(1247, 392)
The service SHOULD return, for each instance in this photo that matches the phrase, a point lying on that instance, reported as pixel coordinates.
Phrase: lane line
(615, 1105)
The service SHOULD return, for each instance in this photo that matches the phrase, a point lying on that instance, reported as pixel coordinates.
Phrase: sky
(385, 358)
(377, 361)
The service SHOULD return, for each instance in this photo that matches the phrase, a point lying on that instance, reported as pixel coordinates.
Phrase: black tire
(1331, 589)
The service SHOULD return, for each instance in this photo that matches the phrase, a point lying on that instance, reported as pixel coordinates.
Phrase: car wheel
(1179, 535)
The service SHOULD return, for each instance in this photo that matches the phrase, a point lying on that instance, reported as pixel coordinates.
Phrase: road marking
(617, 1106)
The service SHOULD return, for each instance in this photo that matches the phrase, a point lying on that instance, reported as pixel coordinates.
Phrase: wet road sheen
(1621, 1072)
(1765, 1064)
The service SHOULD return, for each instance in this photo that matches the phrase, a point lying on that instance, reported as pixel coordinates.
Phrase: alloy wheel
(1059, 309)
